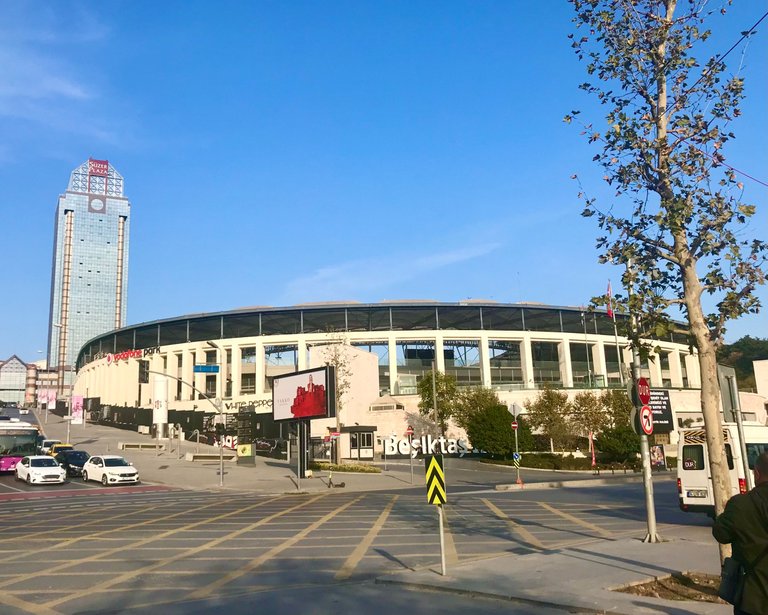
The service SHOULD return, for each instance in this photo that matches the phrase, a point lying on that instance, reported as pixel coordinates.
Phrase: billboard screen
(309, 394)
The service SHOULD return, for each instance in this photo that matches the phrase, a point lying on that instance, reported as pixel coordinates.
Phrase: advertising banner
(308, 394)
(77, 409)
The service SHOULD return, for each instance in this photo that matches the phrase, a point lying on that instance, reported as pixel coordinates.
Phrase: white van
(694, 479)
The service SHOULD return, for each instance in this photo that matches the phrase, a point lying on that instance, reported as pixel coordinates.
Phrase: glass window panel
(201, 329)
(502, 318)
(146, 337)
(462, 361)
(506, 363)
(359, 319)
(322, 321)
(410, 319)
(541, 320)
(124, 340)
(693, 457)
(279, 360)
(273, 323)
(380, 319)
(414, 359)
(242, 325)
(612, 365)
(173, 333)
(459, 317)
(581, 365)
(546, 363)
(603, 324)
(573, 322)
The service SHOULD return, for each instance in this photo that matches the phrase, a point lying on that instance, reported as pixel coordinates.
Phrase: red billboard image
(302, 395)
(98, 167)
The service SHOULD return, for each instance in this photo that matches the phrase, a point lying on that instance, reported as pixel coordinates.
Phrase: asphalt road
(153, 549)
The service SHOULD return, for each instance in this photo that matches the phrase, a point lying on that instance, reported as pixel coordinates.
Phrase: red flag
(609, 297)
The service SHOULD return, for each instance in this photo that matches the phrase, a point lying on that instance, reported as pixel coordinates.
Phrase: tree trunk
(710, 395)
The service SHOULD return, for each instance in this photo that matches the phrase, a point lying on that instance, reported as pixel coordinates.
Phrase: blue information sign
(206, 369)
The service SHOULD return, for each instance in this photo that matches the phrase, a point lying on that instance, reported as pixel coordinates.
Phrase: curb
(570, 484)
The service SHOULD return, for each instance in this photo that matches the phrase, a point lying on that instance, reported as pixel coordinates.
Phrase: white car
(45, 445)
(110, 470)
(39, 469)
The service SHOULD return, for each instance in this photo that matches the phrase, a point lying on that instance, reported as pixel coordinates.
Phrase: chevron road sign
(433, 465)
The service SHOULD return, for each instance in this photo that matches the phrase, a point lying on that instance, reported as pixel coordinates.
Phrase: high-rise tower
(89, 280)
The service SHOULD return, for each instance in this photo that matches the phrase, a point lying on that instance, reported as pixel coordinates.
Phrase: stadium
(515, 349)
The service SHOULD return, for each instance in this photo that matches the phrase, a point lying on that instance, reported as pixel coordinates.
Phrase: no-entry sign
(646, 420)
(514, 424)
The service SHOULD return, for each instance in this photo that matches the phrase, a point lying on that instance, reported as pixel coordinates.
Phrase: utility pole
(645, 453)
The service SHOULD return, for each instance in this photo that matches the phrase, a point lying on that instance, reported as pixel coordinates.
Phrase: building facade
(515, 349)
(17, 382)
(89, 279)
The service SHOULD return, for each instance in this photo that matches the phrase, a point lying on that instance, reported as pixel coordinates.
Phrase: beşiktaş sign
(426, 445)
(130, 354)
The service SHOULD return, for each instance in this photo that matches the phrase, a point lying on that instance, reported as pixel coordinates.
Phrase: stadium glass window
(462, 361)
(414, 318)
(324, 321)
(582, 365)
(202, 329)
(282, 323)
(573, 321)
(502, 318)
(541, 320)
(124, 341)
(506, 364)
(242, 325)
(546, 363)
(146, 337)
(462, 318)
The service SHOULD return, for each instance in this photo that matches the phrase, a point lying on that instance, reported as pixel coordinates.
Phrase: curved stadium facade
(515, 349)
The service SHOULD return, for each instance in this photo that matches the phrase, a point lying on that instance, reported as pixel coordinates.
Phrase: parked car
(72, 461)
(110, 470)
(38, 469)
(58, 447)
(46, 444)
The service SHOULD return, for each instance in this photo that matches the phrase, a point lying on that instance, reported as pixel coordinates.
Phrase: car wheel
(85, 476)
(16, 475)
(29, 479)
(104, 479)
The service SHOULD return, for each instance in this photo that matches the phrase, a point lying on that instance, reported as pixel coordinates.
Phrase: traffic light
(143, 371)
(219, 429)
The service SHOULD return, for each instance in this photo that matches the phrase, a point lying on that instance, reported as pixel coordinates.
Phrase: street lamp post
(61, 371)
(219, 407)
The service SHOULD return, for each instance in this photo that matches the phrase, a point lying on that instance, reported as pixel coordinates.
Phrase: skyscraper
(89, 280)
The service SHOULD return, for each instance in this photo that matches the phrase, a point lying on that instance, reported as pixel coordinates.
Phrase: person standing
(744, 524)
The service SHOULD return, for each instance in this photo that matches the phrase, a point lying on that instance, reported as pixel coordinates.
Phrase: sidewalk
(580, 578)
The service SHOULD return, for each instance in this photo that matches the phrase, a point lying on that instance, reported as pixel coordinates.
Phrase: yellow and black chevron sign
(433, 464)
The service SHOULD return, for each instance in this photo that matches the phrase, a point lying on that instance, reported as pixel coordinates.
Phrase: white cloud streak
(364, 278)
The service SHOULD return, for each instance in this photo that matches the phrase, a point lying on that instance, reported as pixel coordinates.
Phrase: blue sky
(285, 152)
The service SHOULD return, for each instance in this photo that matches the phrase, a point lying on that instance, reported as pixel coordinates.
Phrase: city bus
(694, 478)
(17, 439)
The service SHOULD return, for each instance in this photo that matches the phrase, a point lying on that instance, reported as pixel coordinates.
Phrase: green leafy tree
(618, 407)
(619, 444)
(677, 221)
(740, 355)
(490, 429)
(550, 412)
(472, 400)
(447, 398)
(588, 413)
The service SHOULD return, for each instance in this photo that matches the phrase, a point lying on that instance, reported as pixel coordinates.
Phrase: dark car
(72, 461)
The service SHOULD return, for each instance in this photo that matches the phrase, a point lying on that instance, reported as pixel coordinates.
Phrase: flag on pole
(609, 297)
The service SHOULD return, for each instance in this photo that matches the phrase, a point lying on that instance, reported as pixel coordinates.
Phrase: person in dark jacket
(744, 524)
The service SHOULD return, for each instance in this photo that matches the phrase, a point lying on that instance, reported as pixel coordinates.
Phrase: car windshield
(114, 463)
(43, 463)
(78, 456)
